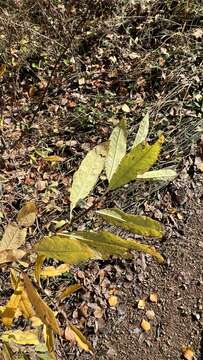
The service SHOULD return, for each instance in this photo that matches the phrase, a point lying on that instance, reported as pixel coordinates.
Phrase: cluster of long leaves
(121, 167)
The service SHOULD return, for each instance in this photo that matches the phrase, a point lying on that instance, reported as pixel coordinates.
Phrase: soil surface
(179, 287)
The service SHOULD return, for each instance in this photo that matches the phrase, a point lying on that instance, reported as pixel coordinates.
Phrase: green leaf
(137, 161)
(158, 175)
(108, 244)
(142, 131)
(142, 225)
(66, 249)
(87, 175)
(117, 148)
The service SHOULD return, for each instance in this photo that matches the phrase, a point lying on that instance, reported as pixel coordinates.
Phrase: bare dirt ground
(179, 286)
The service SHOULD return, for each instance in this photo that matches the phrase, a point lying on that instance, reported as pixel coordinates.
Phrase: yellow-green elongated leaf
(66, 249)
(73, 333)
(13, 303)
(137, 161)
(108, 244)
(49, 340)
(142, 131)
(42, 310)
(158, 175)
(85, 178)
(142, 225)
(117, 148)
(38, 265)
(13, 237)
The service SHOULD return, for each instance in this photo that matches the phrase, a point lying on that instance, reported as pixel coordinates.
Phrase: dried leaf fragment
(113, 300)
(13, 237)
(125, 108)
(145, 325)
(54, 271)
(11, 255)
(27, 214)
(153, 297)
(141, 304)
(187, 352)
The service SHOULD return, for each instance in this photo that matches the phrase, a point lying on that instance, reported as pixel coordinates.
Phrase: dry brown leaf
(141, 304)
(145, 325)
(11, 255)
(27, 214)
(113, 300)
(187, 352)
(98, 312)
(42, 310)
(13, 237)
(153, 297)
